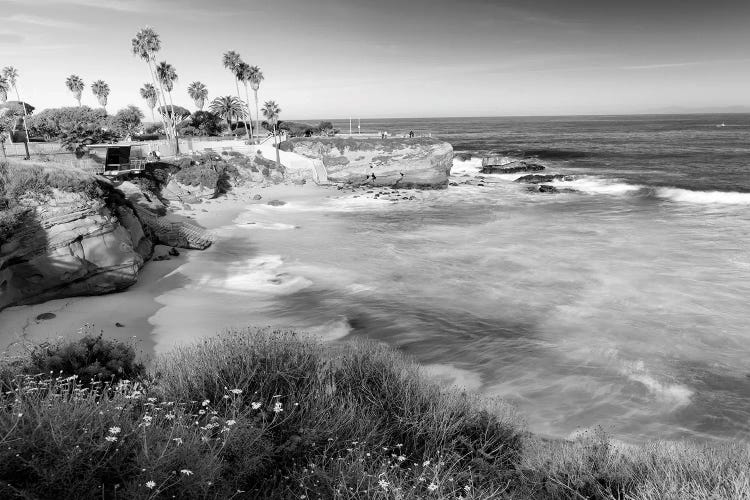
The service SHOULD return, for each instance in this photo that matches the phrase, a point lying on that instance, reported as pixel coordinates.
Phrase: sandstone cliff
(406, 163)
(71, 244)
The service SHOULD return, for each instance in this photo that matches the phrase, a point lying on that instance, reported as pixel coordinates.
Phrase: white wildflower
(256, 405)
(401, 458)
(236, 391)
(147, 418)
(177, 440)
(383, 484)
(425, 463)
(187, 472)
(114, 430)
(111, 439)
(432, 487)
(231, 422)
(277, 407)
(205, 402)
(150, 485)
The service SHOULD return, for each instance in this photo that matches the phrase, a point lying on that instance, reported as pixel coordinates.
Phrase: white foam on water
(460, 167)
(704, 197)
(664, 392)
(597, 185)
(447, 375)
(256, 275)
(332, 330)
(274, 226)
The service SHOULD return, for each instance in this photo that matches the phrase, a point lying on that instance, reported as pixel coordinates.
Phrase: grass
(271, 414)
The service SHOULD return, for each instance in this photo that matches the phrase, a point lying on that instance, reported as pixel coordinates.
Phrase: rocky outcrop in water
(72, 244)
(539, 179)
(504, 165)
(403, 163)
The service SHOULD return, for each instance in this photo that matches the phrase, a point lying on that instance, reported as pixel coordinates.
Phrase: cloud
(40, 21)
(683, 64)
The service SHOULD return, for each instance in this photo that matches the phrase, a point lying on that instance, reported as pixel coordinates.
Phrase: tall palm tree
(11, 76)
(231, 61)
(228, 107)
(101, 91)
(271, 111)
(243, 75)
(4, 88)
(145, 45)
(148, 92)
(256, 76)
(75, 85)
(198, 93)
(7, 122)
(167, 75)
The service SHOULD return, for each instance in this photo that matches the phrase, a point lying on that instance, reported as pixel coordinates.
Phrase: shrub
(89, 358)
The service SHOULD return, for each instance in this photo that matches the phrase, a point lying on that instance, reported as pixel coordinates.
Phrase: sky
(398, 58)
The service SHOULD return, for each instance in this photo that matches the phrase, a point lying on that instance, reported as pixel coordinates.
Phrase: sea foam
(704, 197)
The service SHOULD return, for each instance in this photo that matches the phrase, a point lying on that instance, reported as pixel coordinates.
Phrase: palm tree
(101, 91)
(244, 72)
(75, 85)
(145, 45)
(167, 75)
(11, 76)
(228, 107)
(271, 111)
(148, 92)
(198, 93)
(4, 88)
(256, 76)
(231, 61)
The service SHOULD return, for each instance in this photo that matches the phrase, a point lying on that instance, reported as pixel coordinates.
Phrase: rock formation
(402, 163)
(71, 244)
(539, 179)
(504, 165)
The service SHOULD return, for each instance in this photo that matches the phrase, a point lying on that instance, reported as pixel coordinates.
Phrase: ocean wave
(704, 197)
(257, 275)
(598, 185)
(472, 166)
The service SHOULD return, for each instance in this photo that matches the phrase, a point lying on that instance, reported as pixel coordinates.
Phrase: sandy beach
(132, 314)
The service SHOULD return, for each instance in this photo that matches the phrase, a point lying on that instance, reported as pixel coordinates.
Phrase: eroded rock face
(71, 245)
(405, 163)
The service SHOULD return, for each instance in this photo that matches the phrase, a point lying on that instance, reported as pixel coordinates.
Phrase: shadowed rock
(539, 179)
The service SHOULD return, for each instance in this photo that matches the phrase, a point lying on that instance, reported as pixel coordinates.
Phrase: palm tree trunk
(153, 118)
(25, 128)
(239, 96)
(161, 98)
(257, 115)
(250, 135)
(174, 125)
(278, 161)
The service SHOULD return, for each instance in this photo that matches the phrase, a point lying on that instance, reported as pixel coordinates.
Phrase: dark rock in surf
(462, 156)
(539, 179)
(276, 203)
(45, 316)
(511, 168)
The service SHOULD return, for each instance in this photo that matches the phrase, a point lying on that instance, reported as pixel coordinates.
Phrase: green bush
(89, 358)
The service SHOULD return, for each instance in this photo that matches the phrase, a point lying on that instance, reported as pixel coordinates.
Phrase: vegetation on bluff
(261, 414)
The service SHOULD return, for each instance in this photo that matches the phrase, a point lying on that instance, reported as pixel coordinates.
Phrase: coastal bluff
(71, 244)
(423, 163)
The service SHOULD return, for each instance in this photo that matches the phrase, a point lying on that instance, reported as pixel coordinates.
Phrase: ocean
(622, 304)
